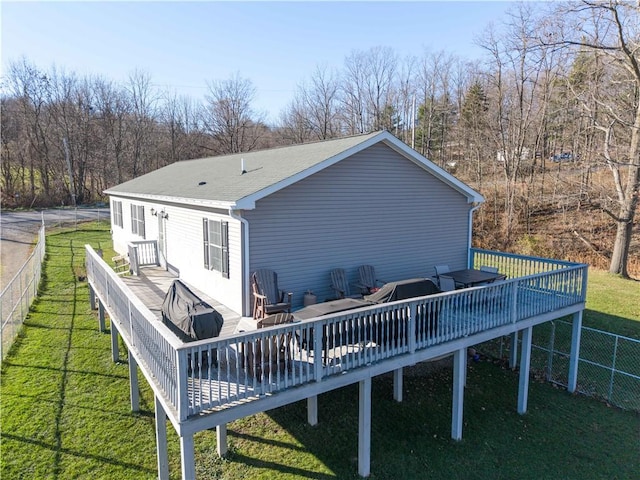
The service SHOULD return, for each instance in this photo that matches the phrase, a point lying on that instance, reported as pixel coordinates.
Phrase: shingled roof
(220, 181)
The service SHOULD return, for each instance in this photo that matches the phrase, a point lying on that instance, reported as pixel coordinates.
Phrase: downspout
(245, 262)
(471, 234)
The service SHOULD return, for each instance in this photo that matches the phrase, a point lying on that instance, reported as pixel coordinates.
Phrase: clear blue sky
(276, 45)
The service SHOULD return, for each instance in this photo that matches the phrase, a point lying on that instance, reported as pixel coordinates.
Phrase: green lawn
(65, 409)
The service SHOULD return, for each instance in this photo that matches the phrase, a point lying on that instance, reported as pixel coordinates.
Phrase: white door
(162, 241)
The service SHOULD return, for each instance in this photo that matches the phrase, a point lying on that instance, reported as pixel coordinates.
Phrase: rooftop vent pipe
(242, 170)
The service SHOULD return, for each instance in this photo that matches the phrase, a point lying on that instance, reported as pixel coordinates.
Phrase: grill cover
(188, 316)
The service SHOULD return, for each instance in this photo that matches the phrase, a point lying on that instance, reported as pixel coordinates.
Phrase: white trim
(246, 288)
(164, 199)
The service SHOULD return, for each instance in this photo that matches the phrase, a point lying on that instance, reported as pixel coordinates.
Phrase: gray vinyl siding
(375, 207)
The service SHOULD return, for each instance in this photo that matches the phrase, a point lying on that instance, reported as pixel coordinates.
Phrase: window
(137, 220)
(117, 213)
(216, 246)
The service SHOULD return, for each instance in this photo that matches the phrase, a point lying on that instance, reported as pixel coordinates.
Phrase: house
(301, 211)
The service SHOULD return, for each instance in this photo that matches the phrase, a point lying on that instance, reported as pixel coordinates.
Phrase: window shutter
(141, 231)
(224, 231)
(134, 228)
(205, 236)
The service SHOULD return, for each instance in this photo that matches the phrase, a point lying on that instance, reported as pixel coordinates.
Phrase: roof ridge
(282, 147)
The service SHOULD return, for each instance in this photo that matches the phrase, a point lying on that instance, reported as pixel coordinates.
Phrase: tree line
(558, 82)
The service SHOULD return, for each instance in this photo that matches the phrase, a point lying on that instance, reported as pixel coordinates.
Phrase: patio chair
(369, 283)
(267, 297)
(340, 285)
(484, 268)
(269, 354)
(447, 284)
(440, 269)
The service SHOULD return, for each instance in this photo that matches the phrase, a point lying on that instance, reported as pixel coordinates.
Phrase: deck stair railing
(217, 373)
(142, 253)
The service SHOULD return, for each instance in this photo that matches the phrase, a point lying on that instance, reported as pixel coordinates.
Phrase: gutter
(471, 234)
(245, 262)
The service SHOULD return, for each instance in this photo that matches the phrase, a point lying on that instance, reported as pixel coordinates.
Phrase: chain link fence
(609, 364)
(16, 297)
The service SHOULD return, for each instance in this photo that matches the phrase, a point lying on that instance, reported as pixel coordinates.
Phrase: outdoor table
(470, 277)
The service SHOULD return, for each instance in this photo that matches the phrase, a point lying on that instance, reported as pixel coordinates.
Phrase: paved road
(18, 233)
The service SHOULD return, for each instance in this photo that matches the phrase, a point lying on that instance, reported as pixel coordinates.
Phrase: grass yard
(65, 409)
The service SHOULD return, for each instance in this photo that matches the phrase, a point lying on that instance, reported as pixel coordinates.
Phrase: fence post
(613, 368)
(21, 293)
(552, 342)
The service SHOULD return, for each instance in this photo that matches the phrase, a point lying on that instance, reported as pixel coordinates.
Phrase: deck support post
(576, 330)
(513, 350)
(221, 439)
(397, 384)
(457, 410)
(92, 297)
(312, 410)
(187, 458)
(115, 352)
(101, 326)
(161, 441)
(525, 364)
(134, 390)
(364, 427)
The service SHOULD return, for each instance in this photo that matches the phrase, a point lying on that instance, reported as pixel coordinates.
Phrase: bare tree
(143, 100)
(353, 93)
(230, 117)
(114, 119)
(611, 32)
(295, 126)
(515, 84)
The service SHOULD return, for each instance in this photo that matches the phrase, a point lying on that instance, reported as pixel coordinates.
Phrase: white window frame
(137, 220)
(215, 235)
(117, 213)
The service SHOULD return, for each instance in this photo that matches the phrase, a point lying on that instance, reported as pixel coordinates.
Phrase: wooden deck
(152, 284)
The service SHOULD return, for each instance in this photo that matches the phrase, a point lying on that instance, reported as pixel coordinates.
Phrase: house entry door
(162, 240)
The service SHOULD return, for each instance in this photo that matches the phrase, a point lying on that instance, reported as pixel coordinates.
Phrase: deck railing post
(182, 370)
(412, 331)
(514, 301)
(318, 353)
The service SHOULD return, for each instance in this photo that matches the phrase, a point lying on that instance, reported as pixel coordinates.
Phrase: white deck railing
(221, 372)
(142, 253)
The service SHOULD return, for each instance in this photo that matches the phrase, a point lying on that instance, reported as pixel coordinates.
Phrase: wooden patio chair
(270, 354)
(267, 297)
(340, 284)
(369, 283)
